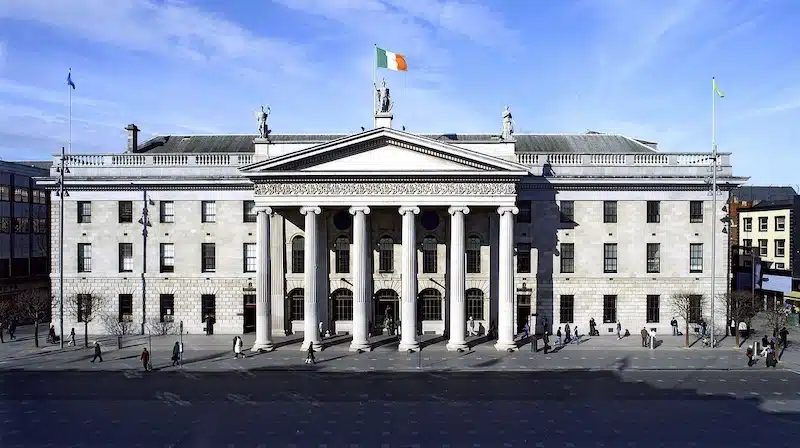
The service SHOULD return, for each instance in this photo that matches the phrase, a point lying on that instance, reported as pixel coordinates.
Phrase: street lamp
(145, 222)
(61, 193)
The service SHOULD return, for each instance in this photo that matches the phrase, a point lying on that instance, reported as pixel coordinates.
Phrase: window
(567, 307)
(780, 223)
(209, 211)
(39, 225)
(209, 257)
(780, 248)
(610, 212)
(297, 308)
(5, 193)
(763, 224)
(696, 257)
(167, 211)
(653, 258)
(653, 309)
(208, 307)
(780, 266)
(39, 197)
(696, 211)
(609, 309)
(695, 308)
(386, 254)
(524, 216)
(747, 224)
(167, 257)
(748, 244)
(125, 257)
(653, 211)
(762, 248)
(523, 258)
(84, 310)
(5, 224)
(21, 194)
(249, 257)
(298, 255)
(84, 257)
(84, 212)
(342, 304)
(166, 307)
(473, 255)
(567, 211)
(431, 304)
(610, 258)
(342, 253)
(125, 211)
(249, 211)
(429, 255)
(567, 251)
(475, 304)
(21, 225)
(126, 307)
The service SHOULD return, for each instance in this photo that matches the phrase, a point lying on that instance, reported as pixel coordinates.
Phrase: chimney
(133, 138)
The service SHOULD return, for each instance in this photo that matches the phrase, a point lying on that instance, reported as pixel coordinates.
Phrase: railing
(654, 159)
(158, 160)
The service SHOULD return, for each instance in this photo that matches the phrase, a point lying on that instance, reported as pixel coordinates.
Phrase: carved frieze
(386, 189)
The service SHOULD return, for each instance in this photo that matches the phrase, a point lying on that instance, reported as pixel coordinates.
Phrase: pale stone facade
(384, 189)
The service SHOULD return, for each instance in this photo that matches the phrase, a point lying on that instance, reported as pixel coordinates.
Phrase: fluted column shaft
(458, 279)
(505, 290)
(263, 294)
(311, 288)
(361, 282)
(408, 291)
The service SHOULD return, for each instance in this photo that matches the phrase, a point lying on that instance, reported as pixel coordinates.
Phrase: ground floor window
(208, 306)
(166, 307)
(342, 304)
(609, 309)
(695, 308)
(653, 309)
(297, 308)
(431, 301)
(567, 309)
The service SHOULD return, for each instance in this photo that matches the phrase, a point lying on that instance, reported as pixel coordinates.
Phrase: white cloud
(33, 93)
(170, 28)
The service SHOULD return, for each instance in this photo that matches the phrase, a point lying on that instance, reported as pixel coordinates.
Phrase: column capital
(408, 209)
(359, 208)
(310, 209)
(264, 209)
(503, 210)
(458, 209)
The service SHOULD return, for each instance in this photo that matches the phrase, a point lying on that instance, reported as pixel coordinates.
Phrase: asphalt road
(470, 409)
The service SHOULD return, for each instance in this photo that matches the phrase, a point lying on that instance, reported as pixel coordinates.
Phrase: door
(523, 311)
(387, 310)
(249, 314)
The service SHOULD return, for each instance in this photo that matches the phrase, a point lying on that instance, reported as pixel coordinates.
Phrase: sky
(641, 68)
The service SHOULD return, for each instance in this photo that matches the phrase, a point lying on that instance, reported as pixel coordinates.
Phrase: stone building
(277, 233)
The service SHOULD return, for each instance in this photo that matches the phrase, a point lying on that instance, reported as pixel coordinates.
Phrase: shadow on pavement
(432, 341)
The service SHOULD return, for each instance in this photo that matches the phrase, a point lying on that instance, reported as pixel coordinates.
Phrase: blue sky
(640, 68)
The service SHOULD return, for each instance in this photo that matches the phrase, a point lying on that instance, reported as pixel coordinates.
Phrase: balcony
(626, 165)
(158, 165)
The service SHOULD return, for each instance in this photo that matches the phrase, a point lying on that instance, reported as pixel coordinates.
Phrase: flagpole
(713, 203)
(374, 80)
(69, 142)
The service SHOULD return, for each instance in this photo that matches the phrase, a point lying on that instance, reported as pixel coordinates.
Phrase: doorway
(523, 311)
(249, 314)
(387, 309)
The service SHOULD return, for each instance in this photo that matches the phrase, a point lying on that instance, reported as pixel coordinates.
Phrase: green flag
(716, 88)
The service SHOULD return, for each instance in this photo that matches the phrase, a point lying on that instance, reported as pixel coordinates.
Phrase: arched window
(298, 255)
(296, 306)
(474, 304)
(386, 254)
(430, 304)
(342, 304)
(473, 255)
(342, 251)
(387, 302)
(429, 256)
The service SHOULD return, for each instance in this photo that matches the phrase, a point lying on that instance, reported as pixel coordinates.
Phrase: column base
(406, 346)
(316, 344)
(363, 346)
(456, 346)
(263, 347)
(505, 346)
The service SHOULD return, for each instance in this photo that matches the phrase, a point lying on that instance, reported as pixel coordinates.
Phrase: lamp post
(145, 222)
(62, 193)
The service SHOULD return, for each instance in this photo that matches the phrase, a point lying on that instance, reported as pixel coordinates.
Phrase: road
(475, 409)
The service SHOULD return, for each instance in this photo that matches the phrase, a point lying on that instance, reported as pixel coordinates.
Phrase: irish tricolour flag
(392, 61)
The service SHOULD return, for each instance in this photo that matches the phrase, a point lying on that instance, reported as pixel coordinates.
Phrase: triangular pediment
(387, 151)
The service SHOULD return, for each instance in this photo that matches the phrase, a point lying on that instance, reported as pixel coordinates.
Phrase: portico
(405, 175)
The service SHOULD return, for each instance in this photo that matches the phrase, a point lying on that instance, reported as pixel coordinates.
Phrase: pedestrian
(674, 324)
(558, 336)
(593, 328)
(237, 351)
(546, 339)
(703, 327)
(2, 341)
(176, 353)
(310, 355)
(567, 334)
(145, 359)
(765, 341)
(12, 329)
(619, 330)
(51, 335)
(576, 338)
(97, 352)
(72, 337)
(525, 331)
(784, 334)
(645, 334)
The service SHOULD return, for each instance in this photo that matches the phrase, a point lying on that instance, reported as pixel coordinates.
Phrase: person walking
(558, 336)
(567, 334)
(784, 334)
(72, 338)
(12, 329)
(237, 350)
(97, 352)
(619, 330)
(2, 325)
(145, 360)
(310, 355)
(645, 335)
(674, 324)
(176, 353)
(546, 339)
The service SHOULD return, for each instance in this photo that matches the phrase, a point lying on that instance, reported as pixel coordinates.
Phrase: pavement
(577, 408)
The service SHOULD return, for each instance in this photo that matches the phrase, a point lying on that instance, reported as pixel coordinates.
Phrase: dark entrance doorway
(249, 314)
(523, 311)
(387, 305)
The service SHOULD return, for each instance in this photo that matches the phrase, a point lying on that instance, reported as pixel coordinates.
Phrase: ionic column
(263, 293)
(458, 280)
(505, 289)
(408, 291)
(311, 287)
(360, 279)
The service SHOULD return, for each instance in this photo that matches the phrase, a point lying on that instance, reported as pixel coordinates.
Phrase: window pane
(695, 257)
(567, 252)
